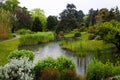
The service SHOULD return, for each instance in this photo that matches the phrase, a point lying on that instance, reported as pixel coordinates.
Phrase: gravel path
(16, 37)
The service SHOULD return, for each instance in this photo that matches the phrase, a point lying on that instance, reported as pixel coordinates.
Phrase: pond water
(54, 50)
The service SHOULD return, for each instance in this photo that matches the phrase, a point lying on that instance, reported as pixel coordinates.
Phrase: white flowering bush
(17, 69)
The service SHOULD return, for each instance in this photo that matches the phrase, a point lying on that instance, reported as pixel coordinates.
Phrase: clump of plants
(61, 64)
(39, 37)
(21, 53)
(17, 69)
(24, 31)
(97, 70)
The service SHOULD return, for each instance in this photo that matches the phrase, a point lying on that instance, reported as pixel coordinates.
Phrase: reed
(36, 38)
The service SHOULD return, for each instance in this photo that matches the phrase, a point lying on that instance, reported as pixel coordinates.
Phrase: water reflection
(54, 50)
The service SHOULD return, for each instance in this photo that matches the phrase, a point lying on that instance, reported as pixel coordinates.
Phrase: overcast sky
(54, 7)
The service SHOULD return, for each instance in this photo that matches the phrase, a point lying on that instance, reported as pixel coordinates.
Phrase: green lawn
(6, 48)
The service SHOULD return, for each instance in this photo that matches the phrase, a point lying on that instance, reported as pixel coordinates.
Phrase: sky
(55, 7)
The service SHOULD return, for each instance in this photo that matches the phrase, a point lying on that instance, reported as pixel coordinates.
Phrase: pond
(54, 50)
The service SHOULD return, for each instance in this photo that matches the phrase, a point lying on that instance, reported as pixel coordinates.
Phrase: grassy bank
(40, 37)
(6, 48)
(83, 45)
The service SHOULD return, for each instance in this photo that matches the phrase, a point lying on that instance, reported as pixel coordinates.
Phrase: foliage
(91, 30)
(92, 36)
(110, 32)
(39, 37)
(21, 53)
(6, 48)
(51, 22)
(117, 77)
(69, 75)
(61, 64)
(77, 34)
(81, 46)
(23, 19)
(5, 24)
(96, 70)
(17, 70)
(40, 14)
(37, 25)
(24, 31)
(70, 18)
(50, 74)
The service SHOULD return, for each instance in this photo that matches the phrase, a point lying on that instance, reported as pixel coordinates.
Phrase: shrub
(21, 53)
(50, 74)
(97, 70)
(77, 34)
(117, 77)
(17, 70)
(64, 64)
(91, 36)
(43, 64)
(24, 31)
(91, 30)
(69, 75)
(60, 64)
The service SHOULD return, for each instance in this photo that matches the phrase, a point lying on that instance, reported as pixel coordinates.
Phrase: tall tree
(40, 14)
(51, 22)
(37, 25)
(70, 18)
(24, 19)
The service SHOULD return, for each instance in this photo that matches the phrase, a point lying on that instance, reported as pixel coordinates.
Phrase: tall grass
(83, 46)
(40, 37)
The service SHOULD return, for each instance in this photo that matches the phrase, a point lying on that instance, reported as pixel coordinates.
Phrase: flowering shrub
(17, 70)
(21, 53)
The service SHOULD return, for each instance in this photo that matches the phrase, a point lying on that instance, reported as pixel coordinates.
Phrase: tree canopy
(40, 14)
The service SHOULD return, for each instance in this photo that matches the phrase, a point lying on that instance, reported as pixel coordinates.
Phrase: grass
(6, 48)
(83, 46)
(40, 37)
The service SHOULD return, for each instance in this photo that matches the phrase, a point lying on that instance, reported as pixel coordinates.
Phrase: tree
(110, 32)
(37, 25)
(91, 19)
(40, 14)
(23, 19)
(70, 18)
(5, 25)
(51, 22)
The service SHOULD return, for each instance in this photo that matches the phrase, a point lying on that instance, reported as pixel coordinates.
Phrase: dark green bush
(77, 34)
(21, 53)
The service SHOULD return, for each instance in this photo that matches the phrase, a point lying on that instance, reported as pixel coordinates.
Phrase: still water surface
(54, 50)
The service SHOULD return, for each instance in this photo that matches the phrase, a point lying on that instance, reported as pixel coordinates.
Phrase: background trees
(52, 22)
(42, 18)
(70, 18)
(110, 32)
